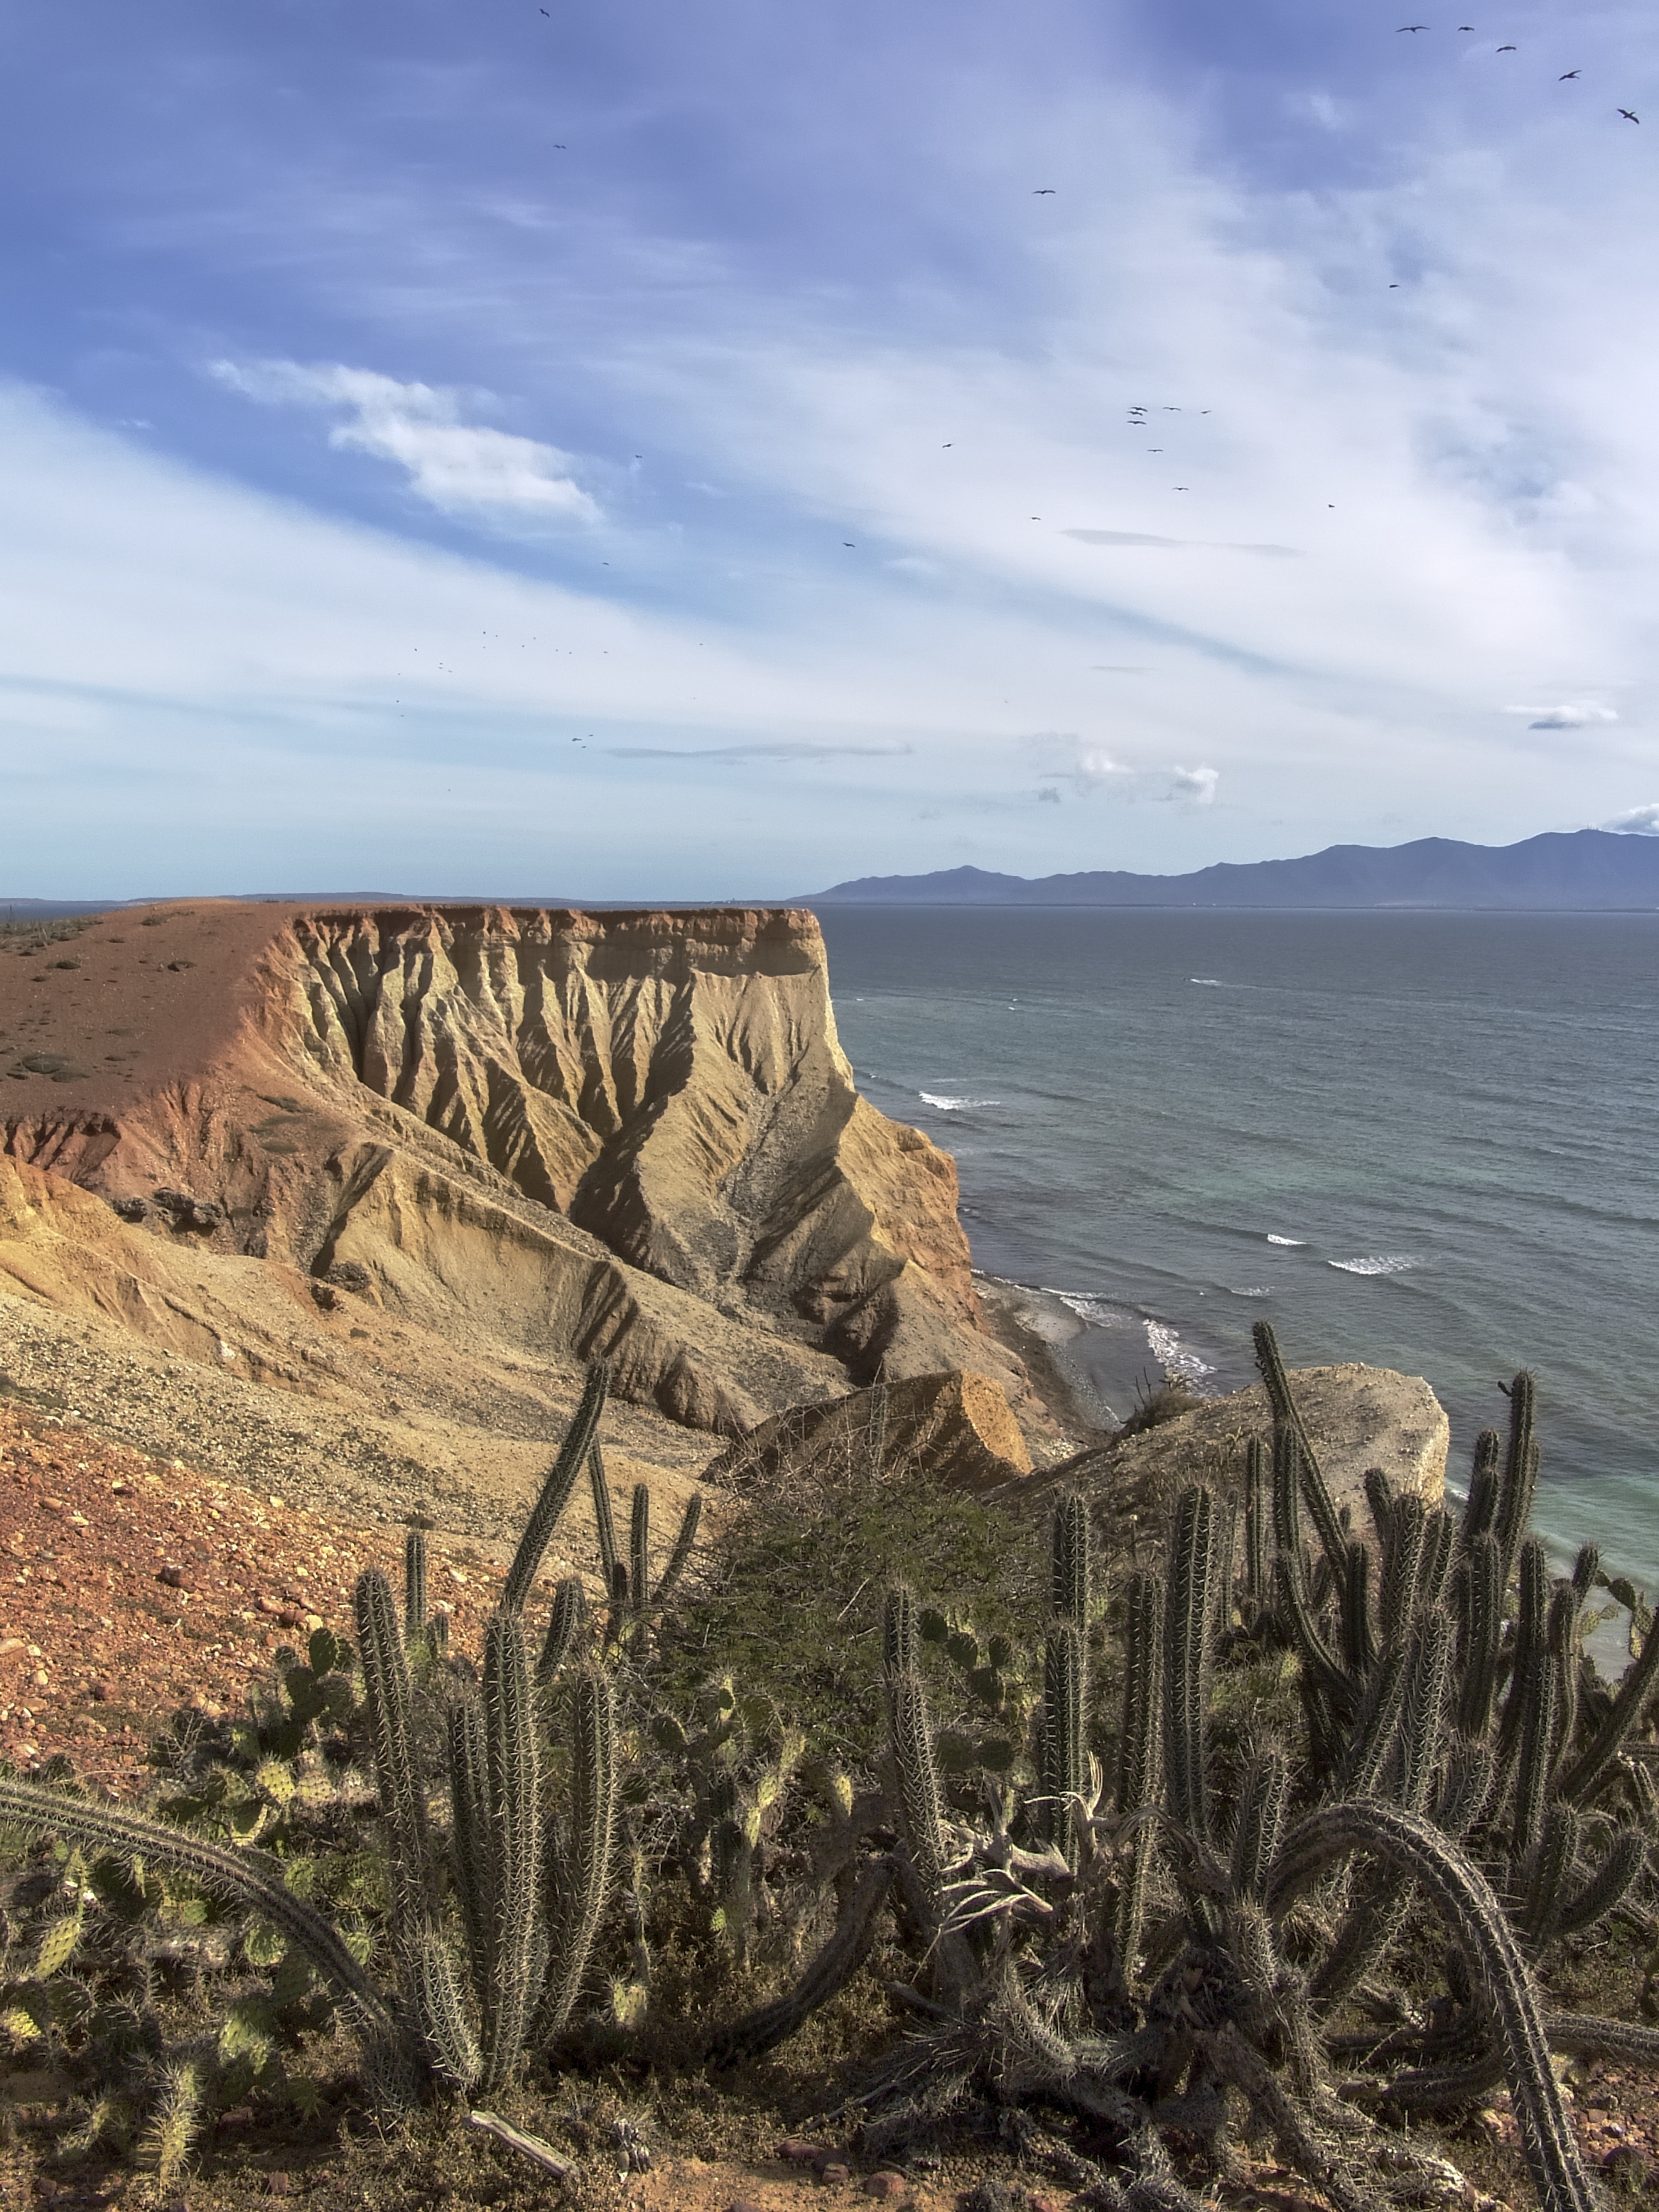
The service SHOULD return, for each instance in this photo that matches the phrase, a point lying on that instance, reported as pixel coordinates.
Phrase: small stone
(795, 2150)
(173, 1577)
(743, 2204)
(327, 1297)
(886, 2183)
(834, 2175)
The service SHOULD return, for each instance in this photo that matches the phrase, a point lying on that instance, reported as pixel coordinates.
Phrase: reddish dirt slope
(136, 1001)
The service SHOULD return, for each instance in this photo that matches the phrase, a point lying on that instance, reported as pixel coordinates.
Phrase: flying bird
(849, 544)
(1628, 117)
(1567, 76)
(1043, 192)
(1155, 449)
(1508, 50)
(1412, 27)
(946, 447)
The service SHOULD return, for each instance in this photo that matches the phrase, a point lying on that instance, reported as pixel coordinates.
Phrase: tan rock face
(629, 1136)
(959, 1423)
(1357, 1417)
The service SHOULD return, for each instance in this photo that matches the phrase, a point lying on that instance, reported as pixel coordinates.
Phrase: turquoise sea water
(1431, 1142)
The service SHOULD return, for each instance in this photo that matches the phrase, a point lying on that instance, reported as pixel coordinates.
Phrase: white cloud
(1089, 768)
(1570, 715)
(1194, 785)
(460, 467)
(1639, 822)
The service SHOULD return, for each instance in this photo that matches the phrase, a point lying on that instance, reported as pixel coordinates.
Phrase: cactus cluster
(494, 1884)
(1156, 1870)
(1167, 1932)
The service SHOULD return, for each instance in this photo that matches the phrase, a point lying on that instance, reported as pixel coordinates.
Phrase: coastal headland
(407, 1169)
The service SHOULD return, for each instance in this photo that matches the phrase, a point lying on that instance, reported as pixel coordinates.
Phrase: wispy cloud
(463, 468)
(1348, 281)
(780, 751)
(1174, 544)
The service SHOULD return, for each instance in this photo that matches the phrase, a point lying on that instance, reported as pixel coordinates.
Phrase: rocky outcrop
(958, 1426)
(1357, 1417)
(630, 1136)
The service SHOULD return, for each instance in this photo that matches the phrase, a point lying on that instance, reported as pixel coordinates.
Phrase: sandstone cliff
(629, 1135)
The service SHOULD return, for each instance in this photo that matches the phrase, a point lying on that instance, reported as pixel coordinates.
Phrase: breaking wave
(1378, 1263)
(1168, 1350)
(953, 1105)
(1298, 1241)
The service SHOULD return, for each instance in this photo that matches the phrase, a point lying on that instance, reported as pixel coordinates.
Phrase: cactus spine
(414, 1585)
(561, 1480)
(1257, 1521)
(605, 1525)
(584, 1867)
(511, 1849)
(563, 1625)
(1314, 1490)
(1189, 1614)
(1065, 1759)
(910, 1734)
(1069, 1561)
(639, 1551)
(1141, 1757)
(403, 1803)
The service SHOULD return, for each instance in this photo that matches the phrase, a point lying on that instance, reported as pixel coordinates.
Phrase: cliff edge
(627, 1135)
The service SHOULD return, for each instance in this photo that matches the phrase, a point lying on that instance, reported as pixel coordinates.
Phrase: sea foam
(1378, 1263)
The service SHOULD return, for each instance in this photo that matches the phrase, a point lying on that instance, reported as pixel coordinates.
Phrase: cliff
(571, 1135)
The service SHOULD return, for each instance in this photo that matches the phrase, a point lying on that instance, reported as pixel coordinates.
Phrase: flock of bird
(1567, 76)
(1137, 415)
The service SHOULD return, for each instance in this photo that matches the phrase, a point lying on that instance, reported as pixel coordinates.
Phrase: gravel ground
(134, 1586)
(328, 1452)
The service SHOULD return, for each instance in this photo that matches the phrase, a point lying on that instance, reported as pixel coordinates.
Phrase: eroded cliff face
(632, 1135)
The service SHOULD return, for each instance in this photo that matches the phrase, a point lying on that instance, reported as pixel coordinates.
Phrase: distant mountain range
(1580, 870)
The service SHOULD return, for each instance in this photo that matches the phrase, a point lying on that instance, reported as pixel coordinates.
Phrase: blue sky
(695, 451)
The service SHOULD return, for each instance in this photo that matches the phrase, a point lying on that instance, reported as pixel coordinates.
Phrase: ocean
(1426, 1141)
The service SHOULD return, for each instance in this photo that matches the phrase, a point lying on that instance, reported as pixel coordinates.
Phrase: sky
(714, 450)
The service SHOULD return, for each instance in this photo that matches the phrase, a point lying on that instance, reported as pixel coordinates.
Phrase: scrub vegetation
(1293, 1837)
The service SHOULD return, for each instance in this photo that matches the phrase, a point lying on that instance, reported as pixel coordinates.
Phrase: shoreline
(1037, 1324)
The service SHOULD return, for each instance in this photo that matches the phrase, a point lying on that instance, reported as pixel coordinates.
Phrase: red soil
(138, 999)
(96, 1648)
